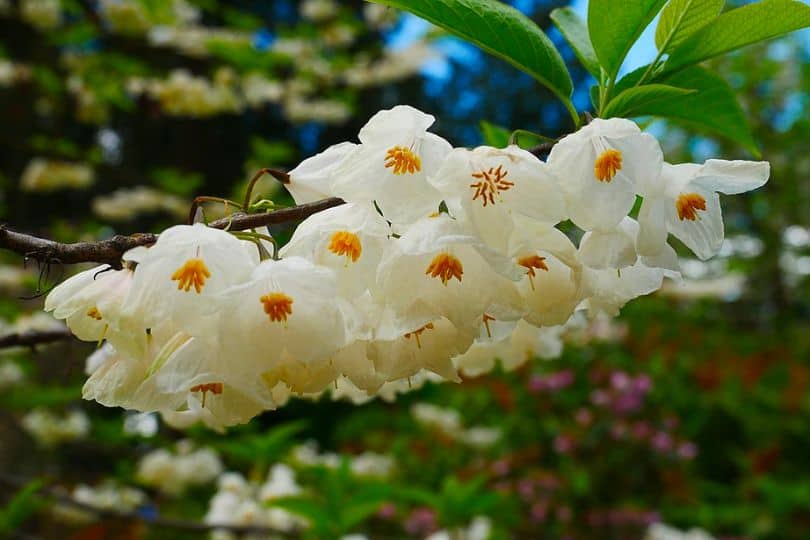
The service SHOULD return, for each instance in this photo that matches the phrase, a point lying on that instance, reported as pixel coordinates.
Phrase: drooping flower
(600, 168)
(436, 269)
(349, 239)
(312, 179)
(485, 186)
(685, 202)
(180, 275)
(285, 322)
(392, 165)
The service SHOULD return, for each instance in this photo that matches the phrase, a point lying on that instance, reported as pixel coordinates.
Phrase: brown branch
(111, 250)
(31, 338)
(60, 496)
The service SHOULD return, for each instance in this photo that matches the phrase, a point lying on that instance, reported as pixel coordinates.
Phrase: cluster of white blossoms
(173, 473)
(441, 260)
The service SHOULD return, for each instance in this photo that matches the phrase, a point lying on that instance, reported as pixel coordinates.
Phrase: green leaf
(305, 507)
(575, 33)
(682, 18)
(614, 26)
(500, 30)
(740, 27)
(632, 100)
(493, 135)
(24, 503)
(711, 108)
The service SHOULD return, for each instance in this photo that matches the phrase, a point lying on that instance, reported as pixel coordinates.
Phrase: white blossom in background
(42, 14)
(43, 175)
(49, 429)
(128, 203)
(448, 422)
(107, 496)
(10, 374)
(173, 473)
(661, 531)
(479, 528)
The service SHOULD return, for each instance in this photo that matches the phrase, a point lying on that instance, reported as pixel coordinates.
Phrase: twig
(110, 251)
(542, 149)
(58, 495)
(30, 338)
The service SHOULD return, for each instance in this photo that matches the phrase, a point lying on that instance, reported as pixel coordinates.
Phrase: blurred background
(691, 409)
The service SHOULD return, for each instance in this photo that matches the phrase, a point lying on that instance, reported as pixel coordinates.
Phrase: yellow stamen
(607, 165)
(403, 160)
(531, 262)
(193, 273)
(490, 183)
(277, 306)
(94, 313)
(486, 319)
(688, 204)
(446, 267)
(346, 243)
(418, 332)
(215, 388)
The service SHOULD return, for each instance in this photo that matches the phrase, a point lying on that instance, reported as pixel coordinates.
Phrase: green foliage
(177, 181)
(615, 25)
(737, 28)
(22, 505)
(493, 135)
(340, 504)
(261, 448)
(500, 30)
(682, 18)
(575, 32)
(638, 100)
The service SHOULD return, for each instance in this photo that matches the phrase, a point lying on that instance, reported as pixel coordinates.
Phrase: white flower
(685, 203)
(485, 186)
(49, 430)
(609, 290)
(180, 275)
(551, 286)
(10, 374)
(610, 249)
(192, 381)
(312, 179)
(349, 239)
(392, 165)
(285, 322)
(280, 483)
(600, 167)
(436, 270)
(173, 474)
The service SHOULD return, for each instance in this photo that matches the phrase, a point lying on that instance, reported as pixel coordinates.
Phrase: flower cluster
(174, 473)
(441, 260)
(49, 429)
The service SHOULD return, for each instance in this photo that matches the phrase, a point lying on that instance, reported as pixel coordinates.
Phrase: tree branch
(111, 250)
(30, 338)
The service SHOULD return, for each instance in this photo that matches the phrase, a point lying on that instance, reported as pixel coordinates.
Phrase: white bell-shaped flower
(286, 317)
(686, 203)
(607, 291)
(435, 268)
(486, 186)
(610, 249)
(600, 168)
(551, 274)
(349, 239)
(311, 180)
(201, 383)
(91, 301)
(392, 165)
(180, 275)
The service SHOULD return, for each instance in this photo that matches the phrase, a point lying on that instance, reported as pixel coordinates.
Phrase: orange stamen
(418, 332)
(346, 243)
(531, 263)
(688, 204)
(403, 160)
(277, 306)
(490, 183)
(445, 267)
(607, 165)
(193, 273)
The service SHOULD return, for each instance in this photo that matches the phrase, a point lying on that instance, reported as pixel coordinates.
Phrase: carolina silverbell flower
(440, 262)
